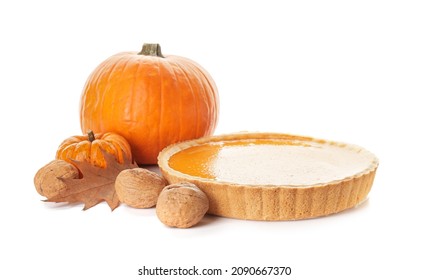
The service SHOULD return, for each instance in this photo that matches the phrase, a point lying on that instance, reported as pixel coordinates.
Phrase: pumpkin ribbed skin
(152, 101)
(89, 148)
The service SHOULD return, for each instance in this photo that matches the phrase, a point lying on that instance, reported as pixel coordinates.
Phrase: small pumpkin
(151, 99)
(89, 148)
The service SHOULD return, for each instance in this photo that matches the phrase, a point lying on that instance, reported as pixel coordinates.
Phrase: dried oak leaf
(96, 184)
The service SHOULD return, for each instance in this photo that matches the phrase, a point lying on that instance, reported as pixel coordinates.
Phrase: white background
(352, 71)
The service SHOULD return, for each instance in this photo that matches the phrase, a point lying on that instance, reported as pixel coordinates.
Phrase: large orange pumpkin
(150, 99)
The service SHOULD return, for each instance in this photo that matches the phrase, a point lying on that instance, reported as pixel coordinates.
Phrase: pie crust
(351, 169)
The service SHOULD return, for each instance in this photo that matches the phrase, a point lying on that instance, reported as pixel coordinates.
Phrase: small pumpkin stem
(151, 49)
(91, 136)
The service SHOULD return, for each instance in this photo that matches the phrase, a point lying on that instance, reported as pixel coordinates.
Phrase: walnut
(181, 205)
(139, 187)
(48, 181)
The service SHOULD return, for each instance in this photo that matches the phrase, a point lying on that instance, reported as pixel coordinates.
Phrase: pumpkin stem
(91, 136)
(151, 49)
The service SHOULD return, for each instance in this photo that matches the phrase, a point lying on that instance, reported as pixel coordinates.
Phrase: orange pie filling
(277, 162)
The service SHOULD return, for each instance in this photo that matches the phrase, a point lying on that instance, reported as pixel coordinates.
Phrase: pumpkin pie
(272, 176)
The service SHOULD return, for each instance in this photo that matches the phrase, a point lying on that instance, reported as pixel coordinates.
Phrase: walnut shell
(139, 187)
(47, 180)
(181, 205)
